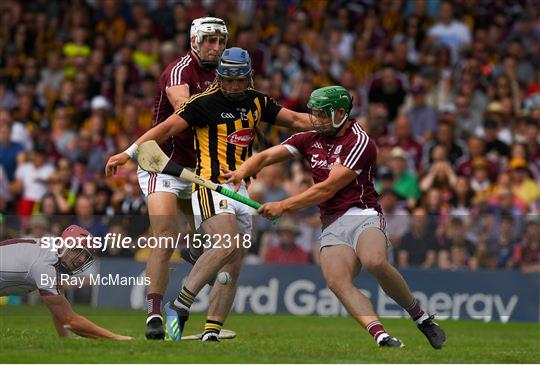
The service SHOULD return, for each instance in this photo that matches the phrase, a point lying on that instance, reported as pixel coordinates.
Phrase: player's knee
(162, 255)
(231, 254)
(337, 284)
(375, 265)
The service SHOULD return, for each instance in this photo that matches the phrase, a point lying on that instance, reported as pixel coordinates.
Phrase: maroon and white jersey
(183, 71)
(354, 150)
(26, 266)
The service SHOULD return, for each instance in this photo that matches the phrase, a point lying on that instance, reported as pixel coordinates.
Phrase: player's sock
(185, 299)
(416, 312)
(376, 329)
(212, 326)
(153, 302)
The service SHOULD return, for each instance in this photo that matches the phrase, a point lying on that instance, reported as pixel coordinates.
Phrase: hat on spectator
(494, 107)
(99, 102)
(448, 108)
(398, 152)
(287, 225)
(518, 163)
(167, 47)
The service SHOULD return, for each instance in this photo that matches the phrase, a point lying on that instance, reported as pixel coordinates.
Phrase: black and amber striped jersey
(225, 129)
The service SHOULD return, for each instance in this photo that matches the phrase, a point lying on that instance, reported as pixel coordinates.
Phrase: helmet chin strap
(338, 126)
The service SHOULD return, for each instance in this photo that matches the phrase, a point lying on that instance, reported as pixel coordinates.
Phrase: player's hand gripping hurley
(152, 159)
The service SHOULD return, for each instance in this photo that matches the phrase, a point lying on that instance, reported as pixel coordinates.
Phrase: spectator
(84, 217)
(467, 121)
(5, 196)
(440, 175)
(476, 149)
(30, 181)
(457, 251)
(528, 253)
(419, 246)
(397, 218)
(63, 197)
(504, 243)
(389, 88)
(85, 149)
(495, 148)
(286, 251)
(62, 133)
(461, 200)
(405, 183)
(423, 117)
(449, 31)
(404, 138)
(444, 136)
(8, 99)
(10, 152)
(480, 183)
(19, 133)
(524, 187)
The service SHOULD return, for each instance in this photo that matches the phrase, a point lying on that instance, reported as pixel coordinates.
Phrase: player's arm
(60, 329)
(339, 177)
(174, 124)
(177, 95)
(297, 121)
(255, 163)
(64, 317)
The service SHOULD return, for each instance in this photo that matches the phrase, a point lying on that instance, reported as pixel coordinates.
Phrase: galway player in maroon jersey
(186, 76)
(27, 265)
(343, 162)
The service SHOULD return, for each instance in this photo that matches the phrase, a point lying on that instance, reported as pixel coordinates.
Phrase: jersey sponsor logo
(227, 115)
(317, 145)
(320, 164)
(241, 137)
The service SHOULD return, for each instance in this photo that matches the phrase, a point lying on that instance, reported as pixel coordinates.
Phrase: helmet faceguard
(234, 73)
(78, 256)
(323, 105)
(207, 26)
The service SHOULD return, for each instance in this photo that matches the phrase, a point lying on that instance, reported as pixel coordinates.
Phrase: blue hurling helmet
(235, 63)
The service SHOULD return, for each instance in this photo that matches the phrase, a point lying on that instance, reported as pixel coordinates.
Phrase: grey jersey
(26, 266)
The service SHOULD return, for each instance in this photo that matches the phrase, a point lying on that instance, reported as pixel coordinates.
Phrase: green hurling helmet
(329, 99)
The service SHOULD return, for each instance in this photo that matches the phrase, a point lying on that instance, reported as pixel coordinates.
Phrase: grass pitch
(27, 336)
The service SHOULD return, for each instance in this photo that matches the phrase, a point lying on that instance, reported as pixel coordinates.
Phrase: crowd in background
(450, 92)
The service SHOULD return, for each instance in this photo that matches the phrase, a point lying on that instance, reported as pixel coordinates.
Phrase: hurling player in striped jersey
(343, 162)
(182, 78)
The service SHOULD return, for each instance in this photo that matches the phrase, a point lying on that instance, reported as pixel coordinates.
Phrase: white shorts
(346, 229)
(151, 182)
(207, 203)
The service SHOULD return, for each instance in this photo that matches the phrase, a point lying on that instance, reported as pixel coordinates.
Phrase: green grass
(28, 336)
